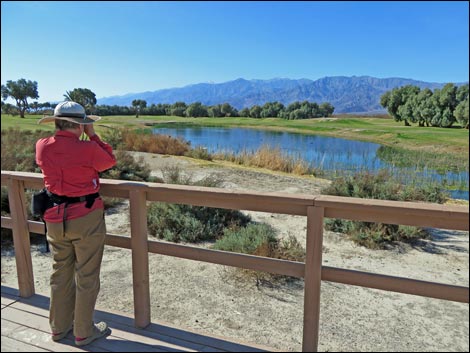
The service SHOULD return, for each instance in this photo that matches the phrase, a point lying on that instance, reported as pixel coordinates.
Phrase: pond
(331, 154)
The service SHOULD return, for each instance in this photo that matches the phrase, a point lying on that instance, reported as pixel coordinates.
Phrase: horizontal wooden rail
(315, 207)
(395, 212)
(286, 268)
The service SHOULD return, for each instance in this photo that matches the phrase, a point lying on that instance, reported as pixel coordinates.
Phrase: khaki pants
(75, 279)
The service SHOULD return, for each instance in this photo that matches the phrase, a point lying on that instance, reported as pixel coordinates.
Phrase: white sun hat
(70, 111)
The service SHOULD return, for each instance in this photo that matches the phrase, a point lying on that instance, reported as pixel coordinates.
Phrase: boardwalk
(25, 328)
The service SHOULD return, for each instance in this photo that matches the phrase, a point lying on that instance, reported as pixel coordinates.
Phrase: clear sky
(114, 48)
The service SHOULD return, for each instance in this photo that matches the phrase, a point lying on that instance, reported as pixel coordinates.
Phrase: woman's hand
(89, 130)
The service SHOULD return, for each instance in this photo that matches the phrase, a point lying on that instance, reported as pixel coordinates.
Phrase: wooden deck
(25, 328)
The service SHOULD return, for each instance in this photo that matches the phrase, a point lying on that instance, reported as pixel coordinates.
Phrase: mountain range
(356, 94)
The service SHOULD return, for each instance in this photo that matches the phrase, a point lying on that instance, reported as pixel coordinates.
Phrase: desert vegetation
(381, 186)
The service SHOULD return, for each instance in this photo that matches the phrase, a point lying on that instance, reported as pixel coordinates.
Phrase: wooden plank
(34, 330)
(181, 336)
(123, 330)
(312, 287)
(232, 199)
(157, 330)
(226, 258)
(10, 292)
(24, 266)
(8, 300)
(395, 212)
(42, 311)
(9, 327)
(143, 341)
(119, 330)
(37, 300)
(33, 226)
(396, 284)
(118, 241)
(140, 260)
(6, 222)
(13, 345)
(257, 263)
(122, 341)
(107, 189)
(392, 217)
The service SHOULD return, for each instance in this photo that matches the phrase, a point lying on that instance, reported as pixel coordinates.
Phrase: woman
(75, 224)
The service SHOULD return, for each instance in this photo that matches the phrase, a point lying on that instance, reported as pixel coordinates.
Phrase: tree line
(296, 110)
(441, 107)
(23, 89)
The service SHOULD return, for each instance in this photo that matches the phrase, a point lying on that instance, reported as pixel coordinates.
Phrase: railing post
(19, 218)
(140, 260)
(313, 266)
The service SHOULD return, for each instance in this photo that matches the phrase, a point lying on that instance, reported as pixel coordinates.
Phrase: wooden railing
(316, 208)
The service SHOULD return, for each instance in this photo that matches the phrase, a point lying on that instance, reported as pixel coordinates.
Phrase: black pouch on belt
(40, 202)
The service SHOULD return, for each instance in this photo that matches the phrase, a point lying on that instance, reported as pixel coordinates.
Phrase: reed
(268, 157)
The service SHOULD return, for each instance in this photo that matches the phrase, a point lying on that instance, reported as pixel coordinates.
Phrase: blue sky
(114, 48)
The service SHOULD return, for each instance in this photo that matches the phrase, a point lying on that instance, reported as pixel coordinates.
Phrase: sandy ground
(213, 299)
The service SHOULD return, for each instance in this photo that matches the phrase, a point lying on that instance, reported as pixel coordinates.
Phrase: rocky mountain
(356, 94)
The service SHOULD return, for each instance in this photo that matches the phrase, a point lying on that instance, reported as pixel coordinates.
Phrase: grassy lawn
(454, 141)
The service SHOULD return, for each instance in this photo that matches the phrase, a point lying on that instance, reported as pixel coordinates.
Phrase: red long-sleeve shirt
(70, 168)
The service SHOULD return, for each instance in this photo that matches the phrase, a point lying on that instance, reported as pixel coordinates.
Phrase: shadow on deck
(25, 328)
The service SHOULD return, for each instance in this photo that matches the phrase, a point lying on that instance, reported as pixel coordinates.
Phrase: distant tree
(462, 93)
(271, 109)
(447, 118)
(424, 109)
(83, 96)
(461, 110)
(138, 105)
(245, 112)
(255, 111)
(34, 106)
(392, 100)
(326, 109)
(436, 108)
(298, 114)
(293, 106)
(158, 109)
(178, 109)
(8, 108)
(448, 96)
(215, 111)
(406, 111)
(228, 110)
(196, 110)
(20, 91)
(461, 113)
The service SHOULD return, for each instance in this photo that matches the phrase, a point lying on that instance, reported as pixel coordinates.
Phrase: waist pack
(43, 200)
(40, 202)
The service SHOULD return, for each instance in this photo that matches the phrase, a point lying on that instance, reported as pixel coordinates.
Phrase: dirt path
(211, 298)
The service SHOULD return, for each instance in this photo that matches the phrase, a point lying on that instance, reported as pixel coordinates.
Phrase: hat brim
(89, 119)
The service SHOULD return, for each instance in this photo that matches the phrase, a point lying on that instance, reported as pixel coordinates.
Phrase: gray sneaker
(99, 330)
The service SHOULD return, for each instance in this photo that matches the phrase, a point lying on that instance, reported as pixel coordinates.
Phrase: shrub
(174, 222)
(383, 187)
(18, 149)
(261, 240)
(199, 153)
(255, 239)
(153, 143)
(128, 168)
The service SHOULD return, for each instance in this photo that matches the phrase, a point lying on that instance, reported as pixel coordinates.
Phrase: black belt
(90, 199)
(58, 200)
